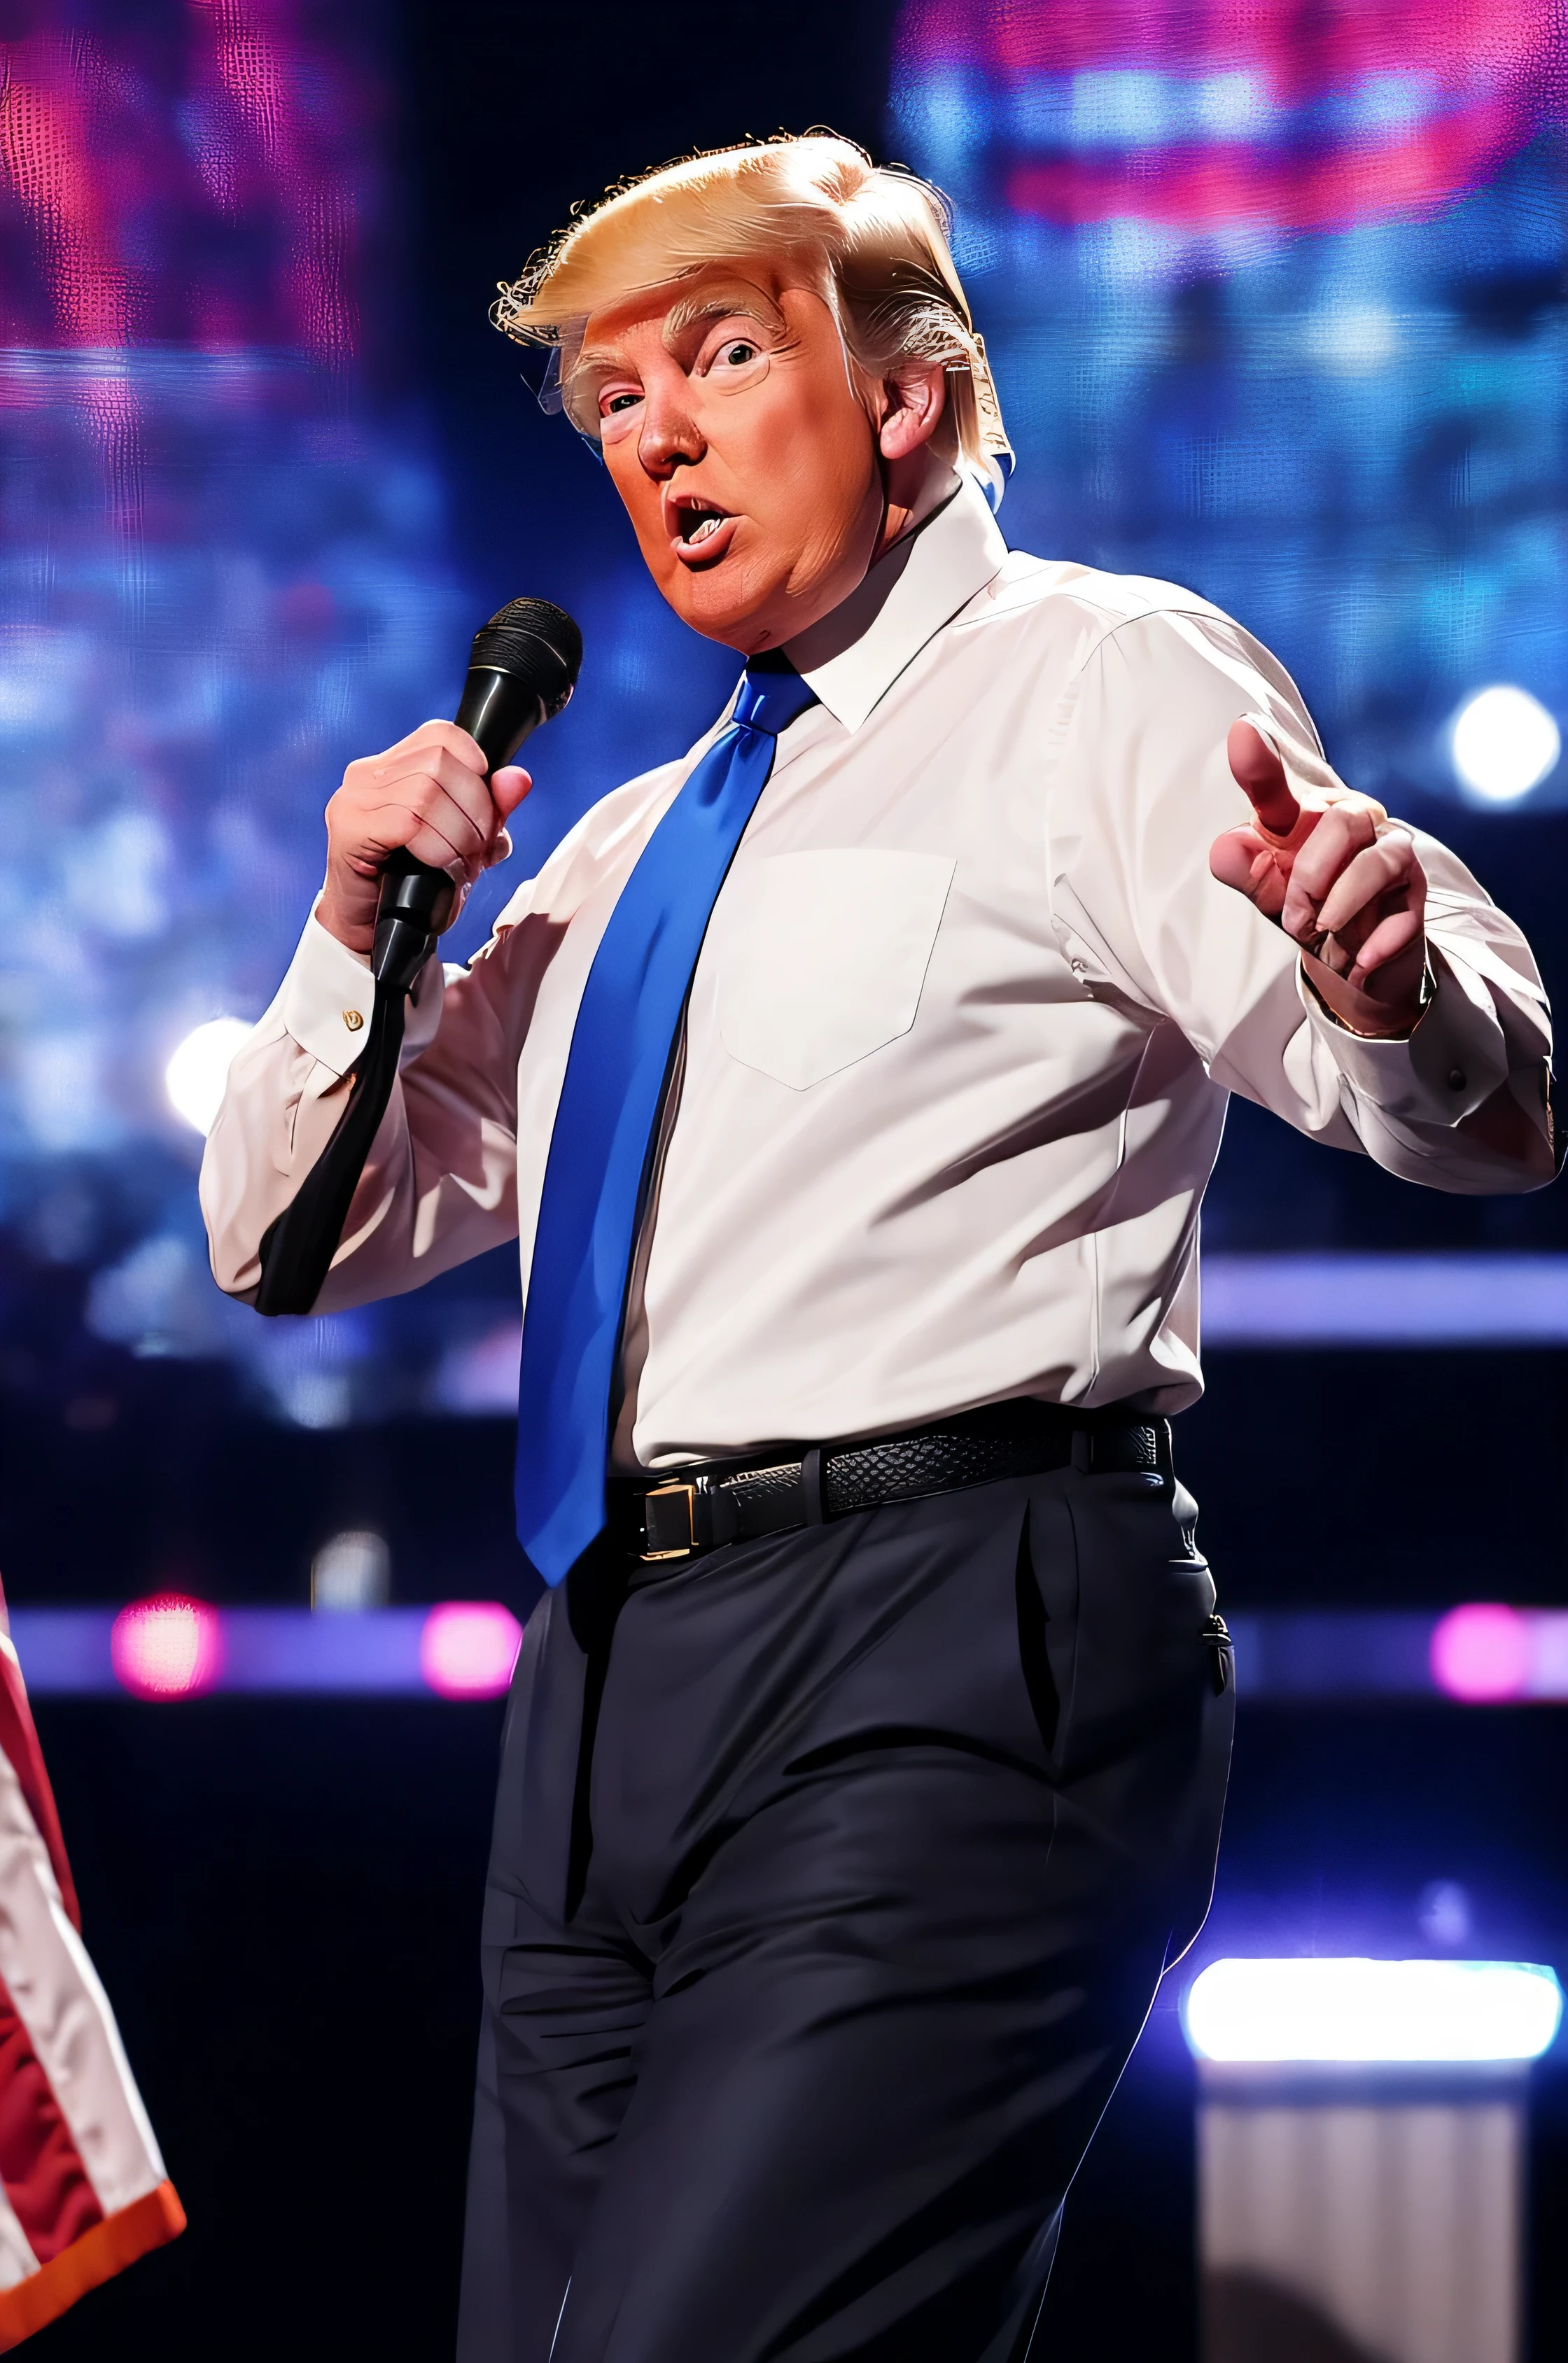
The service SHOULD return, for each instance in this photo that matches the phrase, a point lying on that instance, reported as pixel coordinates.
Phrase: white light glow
(351, 1573)
(1504, 742)
(199, 1070)
(1350, 338)
(1372, 2010)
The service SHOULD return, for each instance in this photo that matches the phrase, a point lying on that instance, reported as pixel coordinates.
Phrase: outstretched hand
(1328, 867)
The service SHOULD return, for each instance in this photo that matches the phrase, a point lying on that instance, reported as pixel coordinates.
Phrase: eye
(615, 402)
(733, 360)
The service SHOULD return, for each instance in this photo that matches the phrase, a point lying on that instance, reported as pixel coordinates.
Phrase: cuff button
(353, 1021)
(1456, 1079)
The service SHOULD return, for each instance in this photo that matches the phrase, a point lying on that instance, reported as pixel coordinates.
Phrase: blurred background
(1275, 299)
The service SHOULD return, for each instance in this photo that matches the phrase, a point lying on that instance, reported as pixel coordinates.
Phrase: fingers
(1391, 937)
(434, 737)
(508, 787)
(419, 813)
(1335, 838)
(1244, 859)
(1321, 861)
(1288, 784)
(1258, 768)
(1373, 909)
(428, 795)
(1366, 879)
(467, 790)
(441, 838)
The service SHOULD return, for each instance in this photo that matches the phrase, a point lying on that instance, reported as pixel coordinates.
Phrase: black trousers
(833, 1877)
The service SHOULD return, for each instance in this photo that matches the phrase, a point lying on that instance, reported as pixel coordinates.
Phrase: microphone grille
(537, 642)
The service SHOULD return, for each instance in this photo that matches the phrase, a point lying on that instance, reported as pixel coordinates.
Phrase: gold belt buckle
(668, 1493)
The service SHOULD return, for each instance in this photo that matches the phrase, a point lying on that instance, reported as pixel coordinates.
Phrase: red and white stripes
(83, 2190)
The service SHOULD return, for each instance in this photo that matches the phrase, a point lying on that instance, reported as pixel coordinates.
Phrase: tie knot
(770, 696)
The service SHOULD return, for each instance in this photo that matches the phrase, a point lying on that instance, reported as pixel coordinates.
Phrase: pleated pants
(832, 1879)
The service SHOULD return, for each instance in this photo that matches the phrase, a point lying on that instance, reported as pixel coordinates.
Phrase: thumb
(1257, 767)
(508, 787)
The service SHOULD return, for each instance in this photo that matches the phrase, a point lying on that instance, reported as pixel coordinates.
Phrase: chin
(726, 611)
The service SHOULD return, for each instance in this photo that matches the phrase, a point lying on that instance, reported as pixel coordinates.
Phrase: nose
(671, 438)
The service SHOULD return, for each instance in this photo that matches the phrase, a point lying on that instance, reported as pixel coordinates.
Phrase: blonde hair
(874, 240)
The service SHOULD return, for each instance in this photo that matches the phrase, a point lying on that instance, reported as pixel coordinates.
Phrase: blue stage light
(1372, 1299)
(1372, 2011)
(1284, 1657)
(172, 1647)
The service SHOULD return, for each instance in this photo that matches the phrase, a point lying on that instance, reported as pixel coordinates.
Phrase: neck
(845, 624)
(912, 488)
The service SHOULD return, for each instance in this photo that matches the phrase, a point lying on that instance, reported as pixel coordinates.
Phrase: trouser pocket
(1198, 1847)
(1142, 1752)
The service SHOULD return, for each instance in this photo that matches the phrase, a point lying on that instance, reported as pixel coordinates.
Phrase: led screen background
(1274, 297)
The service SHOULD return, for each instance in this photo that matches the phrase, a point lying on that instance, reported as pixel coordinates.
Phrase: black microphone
(522, 671)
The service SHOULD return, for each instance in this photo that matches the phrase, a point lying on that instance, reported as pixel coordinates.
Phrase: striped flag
(83, 2190)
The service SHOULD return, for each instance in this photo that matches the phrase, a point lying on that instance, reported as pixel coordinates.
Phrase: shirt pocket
(824, 956)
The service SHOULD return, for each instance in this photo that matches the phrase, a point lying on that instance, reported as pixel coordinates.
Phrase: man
(852, 1083)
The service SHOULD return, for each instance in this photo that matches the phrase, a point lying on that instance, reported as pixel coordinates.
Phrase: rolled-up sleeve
(1146, 742)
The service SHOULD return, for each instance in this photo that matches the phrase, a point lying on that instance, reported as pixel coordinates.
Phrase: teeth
(709, 526)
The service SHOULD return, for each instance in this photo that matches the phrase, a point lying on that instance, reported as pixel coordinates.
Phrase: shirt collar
(852, 658)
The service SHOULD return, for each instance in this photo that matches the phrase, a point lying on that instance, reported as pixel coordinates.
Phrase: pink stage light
(1239, 111)
(1481, 1652)
(468, 1648)
(166, 1647)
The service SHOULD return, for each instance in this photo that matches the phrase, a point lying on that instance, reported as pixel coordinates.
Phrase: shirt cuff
(328, 997)
(1451, 1063)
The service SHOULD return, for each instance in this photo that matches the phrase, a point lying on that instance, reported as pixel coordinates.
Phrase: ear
(915, 399)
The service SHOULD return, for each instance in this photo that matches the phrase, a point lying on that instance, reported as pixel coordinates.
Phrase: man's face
(746, 459)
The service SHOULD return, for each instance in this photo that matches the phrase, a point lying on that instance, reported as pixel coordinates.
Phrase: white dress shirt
(959, 1043)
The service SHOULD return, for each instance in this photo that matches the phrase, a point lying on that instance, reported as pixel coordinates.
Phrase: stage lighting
(166, 1647)
(1376, 2011)
(351, 1572)
(468, 1648)
(195, 1075)
(1443, 1914)
(1481, 1652)
(1504, 742)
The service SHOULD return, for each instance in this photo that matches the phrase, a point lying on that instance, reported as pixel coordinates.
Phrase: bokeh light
(468, 1648)
(1276, 307)
(195, 1075)
(351, 1573)
(167, 1648)
(1371, 2011)
(1504, 743)
(1481, 1652)
(1444, 1914)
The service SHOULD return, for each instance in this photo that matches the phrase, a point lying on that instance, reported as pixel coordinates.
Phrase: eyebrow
(739, 299)
(737, 302)
(595, 356)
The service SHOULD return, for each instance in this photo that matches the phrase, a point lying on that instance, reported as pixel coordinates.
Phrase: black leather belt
(710, 1502)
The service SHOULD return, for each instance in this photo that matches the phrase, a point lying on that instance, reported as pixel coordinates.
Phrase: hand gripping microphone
(522, 671)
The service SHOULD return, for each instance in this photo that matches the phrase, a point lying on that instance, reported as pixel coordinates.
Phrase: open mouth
(698, 523)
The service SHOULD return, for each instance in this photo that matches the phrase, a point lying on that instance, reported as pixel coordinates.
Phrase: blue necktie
(622, 1048)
